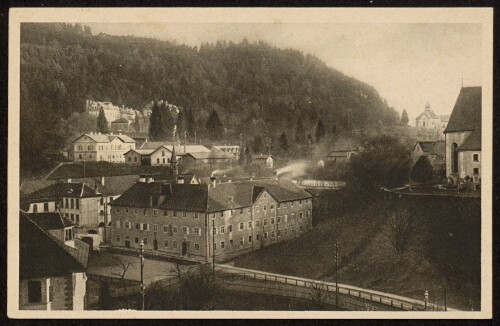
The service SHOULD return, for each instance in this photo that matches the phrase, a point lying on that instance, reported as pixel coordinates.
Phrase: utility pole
(213, 246)
(336, 276)
(142, 273)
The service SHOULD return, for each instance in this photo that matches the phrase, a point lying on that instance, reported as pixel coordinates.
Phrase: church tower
(427, 106)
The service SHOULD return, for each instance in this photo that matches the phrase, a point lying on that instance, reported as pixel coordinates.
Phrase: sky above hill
(409, 64)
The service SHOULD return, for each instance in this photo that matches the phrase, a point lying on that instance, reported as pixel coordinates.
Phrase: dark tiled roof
(433, 147)
(43, 255)
(98, 169)
(63, 189)
(51, 221)
(192, 197)
(175, 196)
(30, 186)
(472, 143)
(242, 194)
(466, 115)
(113, 185)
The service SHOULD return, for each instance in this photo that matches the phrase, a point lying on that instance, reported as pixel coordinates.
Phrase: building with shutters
(196, 221)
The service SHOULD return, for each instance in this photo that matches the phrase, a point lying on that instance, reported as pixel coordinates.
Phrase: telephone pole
(213, 246)
(142, 273)
(336, 276)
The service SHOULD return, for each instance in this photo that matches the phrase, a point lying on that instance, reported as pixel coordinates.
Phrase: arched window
(454, 158)
(35, 208)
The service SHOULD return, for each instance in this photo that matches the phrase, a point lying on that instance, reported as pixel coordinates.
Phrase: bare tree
(177, 271)
(124, 267)
(319, 294)
(400, 230)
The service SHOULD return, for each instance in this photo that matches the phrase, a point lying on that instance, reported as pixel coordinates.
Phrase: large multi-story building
(52, 263)
(463, 137)
(97, 147)
(194, 221)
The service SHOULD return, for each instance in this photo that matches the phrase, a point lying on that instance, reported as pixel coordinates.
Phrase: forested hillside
(256, 89)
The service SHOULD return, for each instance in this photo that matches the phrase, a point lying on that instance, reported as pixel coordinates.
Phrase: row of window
(170, 229)
(265, 235)
(173, 229)
(75, 218)
(71, 203)
(166, 243)
(248, 225)
(104, 147)
(45, 207)
(166, 213)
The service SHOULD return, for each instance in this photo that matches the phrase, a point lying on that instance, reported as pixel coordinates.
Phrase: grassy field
(444, 253)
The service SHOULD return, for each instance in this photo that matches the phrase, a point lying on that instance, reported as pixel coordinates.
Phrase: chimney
(102, 180)
(213, 181)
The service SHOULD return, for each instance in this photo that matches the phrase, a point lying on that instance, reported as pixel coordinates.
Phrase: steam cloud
(295, 169)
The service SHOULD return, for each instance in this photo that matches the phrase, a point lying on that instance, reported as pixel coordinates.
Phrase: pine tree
(214, 126)
(284, 142)
(190, 123)
(248, 156)
(137, 123)
(167, 122)
(320, 131)
(299, 132)
(102, 122)
(404, 118)
(155, 123)
(258, 144)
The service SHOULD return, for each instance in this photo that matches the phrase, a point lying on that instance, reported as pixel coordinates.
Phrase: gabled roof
(429, 114)
(62, 189)
(186, 197)
(43, 255)
(122, 120)
(106, 138)
(466, 115)
(51, 221)
(113, 185)
(178, 148)
(432, 147)
(472, 143)
(205, 198)
(144, 152)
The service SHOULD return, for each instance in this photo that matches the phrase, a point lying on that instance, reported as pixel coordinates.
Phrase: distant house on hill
(213, 158)
(463, 136)
(121, 125)
(435, 151)
(343, 153)
(102, 147)
(52, 263)
(430, 120)
(266, 160)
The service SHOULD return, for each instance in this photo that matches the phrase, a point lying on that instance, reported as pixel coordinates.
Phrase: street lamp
(142, 273)
(426, 298)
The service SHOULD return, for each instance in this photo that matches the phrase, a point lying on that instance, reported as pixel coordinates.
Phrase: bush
(422, 170)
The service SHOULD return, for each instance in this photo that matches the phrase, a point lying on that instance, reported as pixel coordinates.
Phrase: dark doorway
(127, 243)
(155, 244)
(184, 248)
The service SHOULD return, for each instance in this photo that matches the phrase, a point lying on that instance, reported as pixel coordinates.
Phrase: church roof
(472, 143)
(433, 147)
(466, 115)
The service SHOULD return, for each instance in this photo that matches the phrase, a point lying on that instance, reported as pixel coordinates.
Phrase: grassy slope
(366, 259)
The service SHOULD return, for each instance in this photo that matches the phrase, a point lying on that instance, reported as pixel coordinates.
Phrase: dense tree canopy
(254, 87)
(422, 170)
(102, 122)
(404, 118)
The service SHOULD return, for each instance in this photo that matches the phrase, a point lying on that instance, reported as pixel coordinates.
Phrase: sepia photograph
(250, 163)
